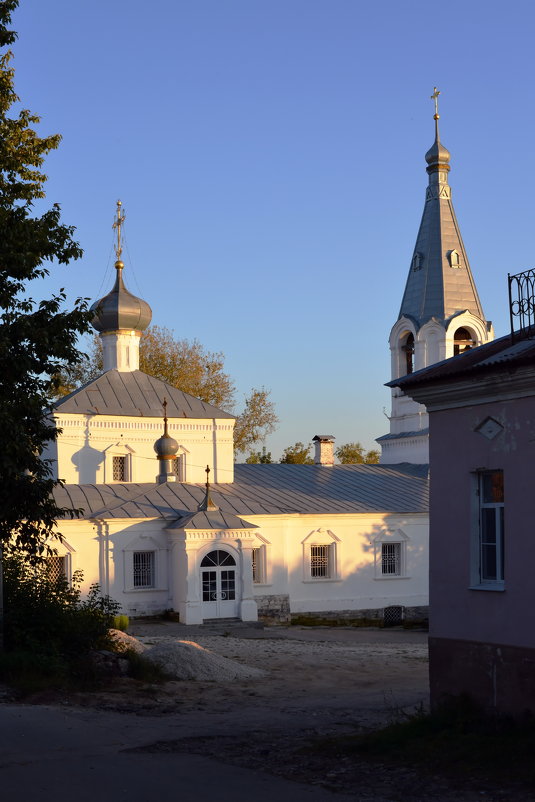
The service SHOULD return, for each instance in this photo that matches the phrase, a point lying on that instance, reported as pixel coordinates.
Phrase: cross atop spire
(434, 97)
(164, 405)
(207, 503)
(118, 221)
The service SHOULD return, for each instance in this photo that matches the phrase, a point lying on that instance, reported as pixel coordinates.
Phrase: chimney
(324, 449)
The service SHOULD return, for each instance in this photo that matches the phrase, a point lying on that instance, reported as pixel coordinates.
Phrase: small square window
(143, 569)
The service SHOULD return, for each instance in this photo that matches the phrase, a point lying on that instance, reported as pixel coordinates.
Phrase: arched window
(218, 557)
(454, 258)
(408, 348)
(462, 341)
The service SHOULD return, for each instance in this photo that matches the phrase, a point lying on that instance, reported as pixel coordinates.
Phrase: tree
(298, 454)
(259, 457)
(36, 338)
(257, 420)
(187, 365)
(354, 453)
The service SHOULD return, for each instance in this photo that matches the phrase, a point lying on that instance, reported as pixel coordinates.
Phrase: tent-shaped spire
(440, 281)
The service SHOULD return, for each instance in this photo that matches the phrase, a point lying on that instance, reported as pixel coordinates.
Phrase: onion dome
(166, 446)
(119, 309)
(437, 157)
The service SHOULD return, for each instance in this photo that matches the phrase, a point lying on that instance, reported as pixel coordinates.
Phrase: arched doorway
(218, 585)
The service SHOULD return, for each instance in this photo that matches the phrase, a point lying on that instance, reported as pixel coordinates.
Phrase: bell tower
(440, 315)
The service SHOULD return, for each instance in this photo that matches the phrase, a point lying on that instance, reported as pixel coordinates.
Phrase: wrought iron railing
(522, 304)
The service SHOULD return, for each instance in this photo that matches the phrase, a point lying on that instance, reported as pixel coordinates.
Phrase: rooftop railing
(522, 304)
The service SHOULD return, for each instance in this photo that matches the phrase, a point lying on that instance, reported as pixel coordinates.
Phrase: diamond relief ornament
(489, 428)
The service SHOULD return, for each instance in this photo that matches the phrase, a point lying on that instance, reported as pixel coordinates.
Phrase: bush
(45, 618)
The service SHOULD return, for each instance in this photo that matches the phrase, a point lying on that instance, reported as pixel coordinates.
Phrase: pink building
(481, 407)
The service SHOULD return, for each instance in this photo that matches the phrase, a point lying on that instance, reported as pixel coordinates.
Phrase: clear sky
(270, 159)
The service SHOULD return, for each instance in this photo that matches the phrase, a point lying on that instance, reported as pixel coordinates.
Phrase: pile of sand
(124, 643)
(183, 659)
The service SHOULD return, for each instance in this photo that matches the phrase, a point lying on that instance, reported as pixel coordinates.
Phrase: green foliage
(259, 457)
(458, 737)
(36, 338)
(47, 617)
(354, 454)
(298, 454)
(257, 420)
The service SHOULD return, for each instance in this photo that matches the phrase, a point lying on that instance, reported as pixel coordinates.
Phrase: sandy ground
(320, 683)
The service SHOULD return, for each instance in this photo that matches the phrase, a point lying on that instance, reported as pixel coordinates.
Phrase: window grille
(319, 561)
(393, 616)
(56, 567)
(119, 469)
(143, 569)
(391, 559)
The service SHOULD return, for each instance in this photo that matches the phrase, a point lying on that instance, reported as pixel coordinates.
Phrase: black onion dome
(119, 309)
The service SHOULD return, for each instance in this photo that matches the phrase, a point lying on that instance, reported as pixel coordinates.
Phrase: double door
(218, 585)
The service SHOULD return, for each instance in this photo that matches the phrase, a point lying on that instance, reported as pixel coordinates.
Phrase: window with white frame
(391, 554)
(391, 559)
(143, 569)
(491, 528)
(321, 561)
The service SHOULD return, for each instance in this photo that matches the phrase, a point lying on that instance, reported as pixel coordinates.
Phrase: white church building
(269, 541)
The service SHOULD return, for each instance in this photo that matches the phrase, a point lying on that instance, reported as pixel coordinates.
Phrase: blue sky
(270, 159)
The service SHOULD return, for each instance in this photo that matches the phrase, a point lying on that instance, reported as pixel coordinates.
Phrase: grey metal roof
(136, 394)
(483, 359)
(401, 435)
(264, 489)
(213, 519)
(434, 288)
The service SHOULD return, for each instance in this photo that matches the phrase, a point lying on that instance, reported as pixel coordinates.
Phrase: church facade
(169, 522)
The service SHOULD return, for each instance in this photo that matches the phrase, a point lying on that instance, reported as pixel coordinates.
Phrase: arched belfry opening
(463, 340)
(407, 349)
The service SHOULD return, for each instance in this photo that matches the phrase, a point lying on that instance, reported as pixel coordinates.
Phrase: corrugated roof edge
(456, 367)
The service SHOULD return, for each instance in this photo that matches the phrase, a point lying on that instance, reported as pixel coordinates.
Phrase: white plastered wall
(84, 450)
(102, 549)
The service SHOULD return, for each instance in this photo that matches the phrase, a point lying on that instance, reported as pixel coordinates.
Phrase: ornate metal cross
(434, 97)
(120, 217)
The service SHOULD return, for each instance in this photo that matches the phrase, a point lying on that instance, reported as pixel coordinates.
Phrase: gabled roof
(135, 394)
(213, 519)
(263, 489)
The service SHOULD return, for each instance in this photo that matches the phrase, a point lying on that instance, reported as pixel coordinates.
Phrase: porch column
(248, 606)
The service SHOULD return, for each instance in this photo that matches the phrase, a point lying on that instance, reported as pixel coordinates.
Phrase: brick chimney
(324, 449)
